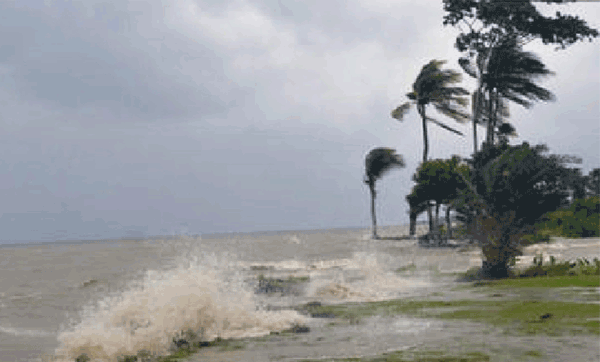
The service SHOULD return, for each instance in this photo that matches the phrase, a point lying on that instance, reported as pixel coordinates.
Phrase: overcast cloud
(128, 118)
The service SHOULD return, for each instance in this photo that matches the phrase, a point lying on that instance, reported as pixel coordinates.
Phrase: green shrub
(580, 220)
(579, 267)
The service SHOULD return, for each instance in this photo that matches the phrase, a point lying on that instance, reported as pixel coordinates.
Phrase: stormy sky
(129, 118)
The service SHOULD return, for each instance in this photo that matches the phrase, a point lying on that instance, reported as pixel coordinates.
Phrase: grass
(534, 353)
(521, 317)
(582, 272)
(585, 281)
(417, 356)
(410, 267)
(534, 317)
(181, 353)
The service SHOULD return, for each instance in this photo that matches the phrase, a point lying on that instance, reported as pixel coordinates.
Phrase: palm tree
(505, 72)
(377, 163)
(433, 86)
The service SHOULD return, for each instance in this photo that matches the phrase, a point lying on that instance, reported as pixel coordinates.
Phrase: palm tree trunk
(491, 117)
(430, 217)
(476, 111)
(421, 109)
(413, 223)
(437, 216)
(373, 217)
(474, 135)
(448, 221)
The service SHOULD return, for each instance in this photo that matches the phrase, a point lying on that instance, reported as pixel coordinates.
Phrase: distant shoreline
(21, 243)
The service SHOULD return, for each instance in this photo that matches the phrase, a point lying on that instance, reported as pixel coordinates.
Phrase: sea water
(117, 297)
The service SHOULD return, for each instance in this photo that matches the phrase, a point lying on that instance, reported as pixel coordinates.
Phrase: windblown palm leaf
(505, 73)
(379, 161)
(432, 86)
(512, 72)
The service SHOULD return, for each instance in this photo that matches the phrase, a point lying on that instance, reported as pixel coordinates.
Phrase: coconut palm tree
(377, 163)
(433, 87)
(505, 73)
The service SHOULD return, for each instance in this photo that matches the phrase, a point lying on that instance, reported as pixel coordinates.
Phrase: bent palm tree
(504, 72)
(377, 163)
(433, 86)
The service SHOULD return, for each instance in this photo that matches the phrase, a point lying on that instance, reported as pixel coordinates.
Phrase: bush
(580, 220)
(579, 267)
(510, 188)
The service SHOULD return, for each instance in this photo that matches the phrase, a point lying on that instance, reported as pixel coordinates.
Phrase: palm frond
(453, 111)
(381, 160)
(512, 72)
(444, 126)
(401, 111)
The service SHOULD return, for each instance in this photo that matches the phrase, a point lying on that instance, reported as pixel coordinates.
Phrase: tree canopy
(482, 22)
(511, 187)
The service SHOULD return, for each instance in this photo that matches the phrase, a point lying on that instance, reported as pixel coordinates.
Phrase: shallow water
(110, 298)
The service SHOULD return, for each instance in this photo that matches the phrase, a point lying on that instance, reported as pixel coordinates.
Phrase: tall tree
(504, 72)
(484, 24)
(433, 86)
(377, 163)
(511, 74)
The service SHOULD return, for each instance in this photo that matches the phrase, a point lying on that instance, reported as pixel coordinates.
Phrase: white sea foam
(203, 295)
(20, 332)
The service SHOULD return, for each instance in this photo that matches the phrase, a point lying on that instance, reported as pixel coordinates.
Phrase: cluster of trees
(502, 190)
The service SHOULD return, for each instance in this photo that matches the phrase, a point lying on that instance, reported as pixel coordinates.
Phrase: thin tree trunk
(491, 117)
(421, 109)
(373, 217)
(430, 217)
(437, 216)
(475, 112)
(413, 223)
(448, 221)
(474, 135)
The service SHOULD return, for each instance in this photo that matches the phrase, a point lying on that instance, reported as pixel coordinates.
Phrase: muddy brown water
(110, 298)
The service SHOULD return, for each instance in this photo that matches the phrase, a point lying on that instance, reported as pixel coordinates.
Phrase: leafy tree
(377, 163)
(482, 22)
(593, 182)
(437, 180)
(433, 86)
(485, 25)
(580, 219)
(510, 188)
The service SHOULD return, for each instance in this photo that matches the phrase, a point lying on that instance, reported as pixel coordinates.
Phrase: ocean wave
(205, 295)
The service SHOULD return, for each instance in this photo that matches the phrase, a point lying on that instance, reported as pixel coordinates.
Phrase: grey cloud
(74, 60)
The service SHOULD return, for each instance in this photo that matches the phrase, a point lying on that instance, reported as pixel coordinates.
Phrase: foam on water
(20, 332)
(204, 294)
